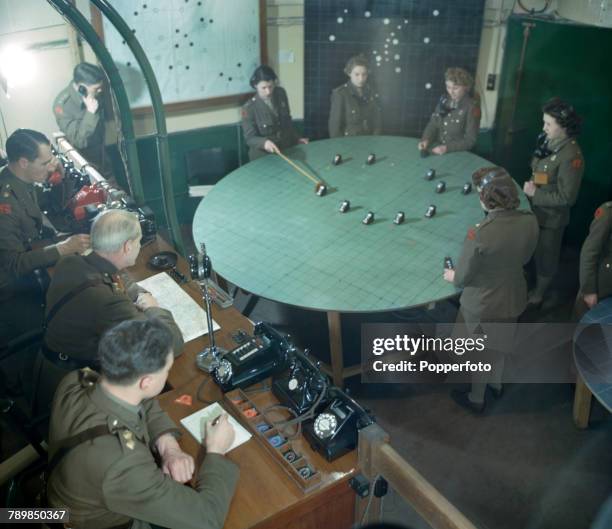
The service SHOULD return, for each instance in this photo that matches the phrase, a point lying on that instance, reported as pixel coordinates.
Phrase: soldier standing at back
(22, 263)
(266, 118)
(557, 169)
(80, 115)
(596, 262)
(490, 271)
(355, 106)
(455, 123)
(106, 432)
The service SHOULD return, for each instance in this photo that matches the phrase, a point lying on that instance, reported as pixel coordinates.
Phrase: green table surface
(267, 231)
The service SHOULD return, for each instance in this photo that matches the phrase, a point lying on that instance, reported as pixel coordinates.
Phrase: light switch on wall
(286, 56)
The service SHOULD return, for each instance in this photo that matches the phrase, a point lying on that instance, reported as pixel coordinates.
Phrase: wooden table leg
(334, 325)
(582, 404)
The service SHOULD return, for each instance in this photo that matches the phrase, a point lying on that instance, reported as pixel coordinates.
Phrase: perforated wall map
(198, 49)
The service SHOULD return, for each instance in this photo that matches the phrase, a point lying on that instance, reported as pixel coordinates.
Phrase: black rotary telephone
(335, 430)
(260, 356)
(541, 150)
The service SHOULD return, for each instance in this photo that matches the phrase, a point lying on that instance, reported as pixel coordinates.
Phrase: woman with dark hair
(557, 169)
(266, 118)
(455, 123)
(490, 271)
(355, 107)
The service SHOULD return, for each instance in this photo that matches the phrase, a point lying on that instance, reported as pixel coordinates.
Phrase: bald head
(111, 229)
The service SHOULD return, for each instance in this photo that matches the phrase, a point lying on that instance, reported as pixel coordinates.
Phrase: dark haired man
(30, 161)
(79, 114)
(106, 431)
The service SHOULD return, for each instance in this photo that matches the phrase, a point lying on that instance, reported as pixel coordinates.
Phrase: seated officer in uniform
(107, 430)
(355, 106)
(596, 262)
(266, 118)
(87, 295)
(455, 123)
(22, 261)
(490, 271)
(80, 115)
(557, 169)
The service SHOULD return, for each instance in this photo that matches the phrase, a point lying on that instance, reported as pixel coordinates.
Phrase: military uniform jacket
(490, 269)
(20, 226)
(596, 255)
(458, 129)
(113, 478)
(261, 123)
(84, 130)
(78, 326)
(558, 177)
(352, 114)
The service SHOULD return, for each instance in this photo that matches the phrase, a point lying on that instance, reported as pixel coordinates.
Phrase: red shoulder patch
(186, 400)
(471, 234)
(599, 212)
(6, 209)
(577, 163)
(59, 109)
(476, 112)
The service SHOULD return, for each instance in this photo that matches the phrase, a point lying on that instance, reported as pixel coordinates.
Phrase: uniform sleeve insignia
(476, 112)
(128, 437)
(599, 212)
(186, 400)
(244, 113)
(59, 110)
(577, 163)
(471, 234)
(6, 209)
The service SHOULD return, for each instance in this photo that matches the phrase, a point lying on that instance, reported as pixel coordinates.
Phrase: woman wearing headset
(355, 106)
(266, 118)
(557, 169)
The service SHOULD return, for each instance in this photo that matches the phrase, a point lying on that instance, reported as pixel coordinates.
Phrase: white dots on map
(426, 40)
(435, 12)
(340, 20)
(386, 21)
(367, 14)
(332, 38)
(427, 86)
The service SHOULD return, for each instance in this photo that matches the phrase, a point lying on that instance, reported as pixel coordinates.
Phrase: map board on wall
(200, 51)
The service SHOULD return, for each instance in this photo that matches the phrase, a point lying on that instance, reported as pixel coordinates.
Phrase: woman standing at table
(266, 118)
(490, 271)
(455, 123)
(557, 169)
(355, 106)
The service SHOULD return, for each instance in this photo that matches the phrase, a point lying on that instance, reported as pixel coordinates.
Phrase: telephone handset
(334, 431)
(261, 356)
(83, 90)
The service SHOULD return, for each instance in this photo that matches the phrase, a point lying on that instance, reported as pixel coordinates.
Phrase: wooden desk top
(266, 497)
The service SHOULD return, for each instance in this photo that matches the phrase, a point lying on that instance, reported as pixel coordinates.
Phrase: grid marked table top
(269, 233)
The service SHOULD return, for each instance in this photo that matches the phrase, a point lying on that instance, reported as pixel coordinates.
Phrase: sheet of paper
(189, 316)
(195, 424)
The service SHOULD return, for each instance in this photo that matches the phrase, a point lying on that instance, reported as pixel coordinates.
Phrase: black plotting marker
(430, 175)
(466, 189)
(399, 218)
(337, 159)
(371, 159)
(369, 218)
(431, 211)
(344, 206)
(441, 187)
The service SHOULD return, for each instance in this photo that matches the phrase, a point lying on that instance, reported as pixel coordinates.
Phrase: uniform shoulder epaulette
(87, 377)
(127, 439)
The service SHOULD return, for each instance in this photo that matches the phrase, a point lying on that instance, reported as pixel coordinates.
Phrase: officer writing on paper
(90, 294)
(80, 116)
(107, 429)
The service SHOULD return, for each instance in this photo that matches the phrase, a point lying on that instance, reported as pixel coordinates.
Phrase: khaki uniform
(84, 130)
(352, 114)
(114, 478)
(21, 226)
(596, 260)
(558, 177)
(458, 129)
(490, 269)
(261, 122)
(72, 335)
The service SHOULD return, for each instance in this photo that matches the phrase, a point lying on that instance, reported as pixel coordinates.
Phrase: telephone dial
(260, 356)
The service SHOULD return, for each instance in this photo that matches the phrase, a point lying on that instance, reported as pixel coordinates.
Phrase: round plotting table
(269, 233)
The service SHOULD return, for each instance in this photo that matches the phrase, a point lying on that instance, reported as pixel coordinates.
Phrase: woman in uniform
(557, 169)
(455, 123)
(266, 118)
(490, 271)
(355, 106)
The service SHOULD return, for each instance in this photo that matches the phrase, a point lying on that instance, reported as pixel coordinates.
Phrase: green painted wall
(573, 62)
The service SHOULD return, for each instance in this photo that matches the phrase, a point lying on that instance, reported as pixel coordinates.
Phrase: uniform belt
(61, 360)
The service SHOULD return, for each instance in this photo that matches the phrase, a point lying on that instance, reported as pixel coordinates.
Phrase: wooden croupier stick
(320, 188)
